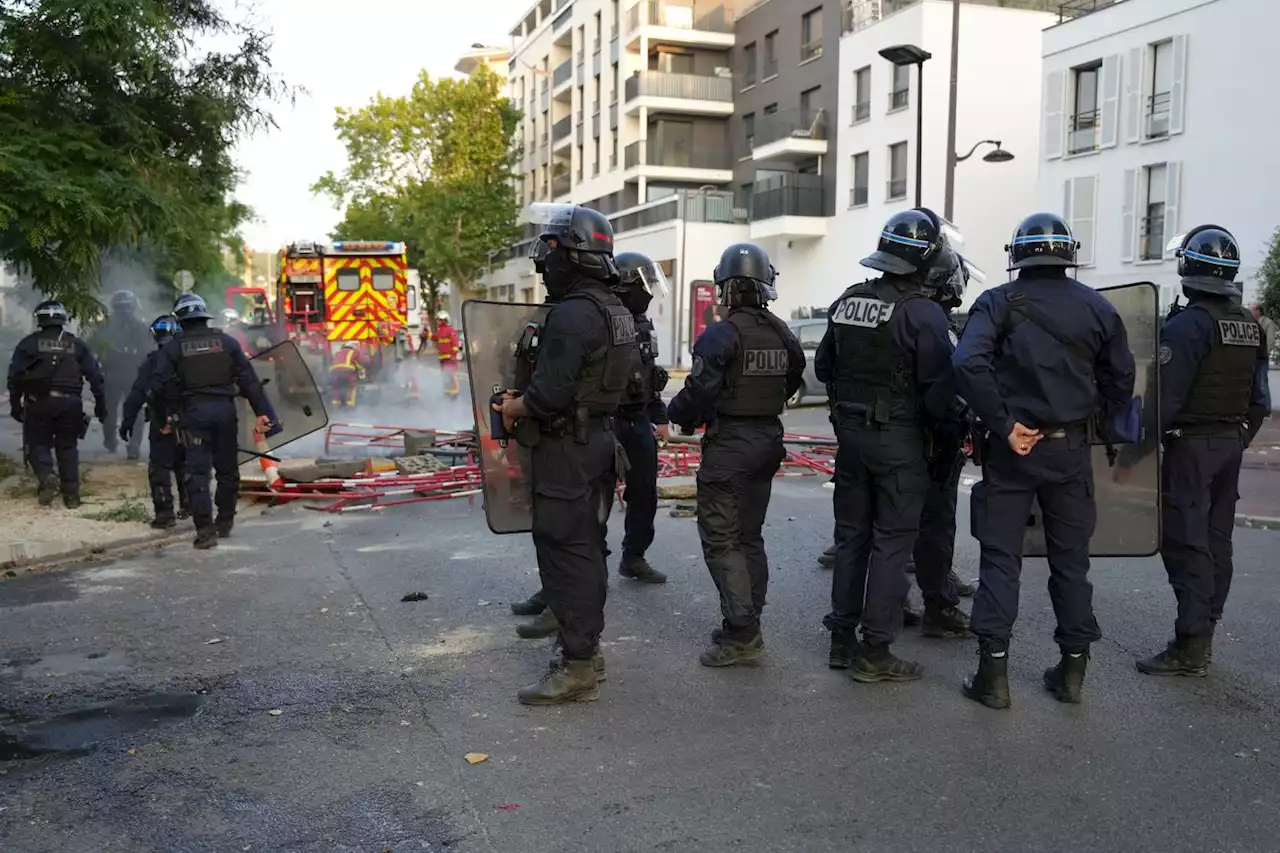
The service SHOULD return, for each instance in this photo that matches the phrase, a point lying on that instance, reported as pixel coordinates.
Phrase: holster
(979, 437)
(84, 425)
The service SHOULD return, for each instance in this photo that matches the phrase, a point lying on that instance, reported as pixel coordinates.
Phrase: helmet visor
(548, 215)
(653, 280)
(1176, 243)
(972, 271)
(952, 234)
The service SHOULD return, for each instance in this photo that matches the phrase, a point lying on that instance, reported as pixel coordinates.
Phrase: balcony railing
(561, 129)
(694, 87)
(896, 189)
(560, 185)
(689, 205)
(770, 69)
(613, 161)
(563, 74)
(794, 195)
(561, 20)
(613, 50)
(1151, 238)
(613, 116)
(861, 111)
(579, 131)
(595, 126)
(858, 196)
(596, 66)
(545, 101)
(1082, 133)
(1158, 106)
(678, 157)
(899, 98)
(790, 124)
(703, 15)
(861, 14)
(811, 50)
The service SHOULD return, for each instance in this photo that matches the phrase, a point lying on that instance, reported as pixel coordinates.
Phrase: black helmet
(638, 270)
(586, 235)
(124, 302)
(1208, 260)
(1042, 240)
(909, 242)
(190, 307)
(51, 313)
(744, 276)
(163, 328)
(947, 278)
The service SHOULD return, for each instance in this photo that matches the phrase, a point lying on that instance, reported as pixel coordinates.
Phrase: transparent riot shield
(1127, 493)
(299, 405)
(501, 340)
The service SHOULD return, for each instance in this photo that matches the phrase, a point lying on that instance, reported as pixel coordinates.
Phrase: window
(1160, 99)
(810, 105)
(900, 94)
(862, 94)
(599, 30)
(613, 152)
(384, 280)
(1082, 132)
(672, 63)
(410, 298)
(749, 131)
(595, 162)
(1151, 236)
(617, 86)
(749, 65)
(810, 334)
(860, 168)
(348, 280)
(770, 109)
(811, 35)
(897, 171)
(674, 144)
(770, 55)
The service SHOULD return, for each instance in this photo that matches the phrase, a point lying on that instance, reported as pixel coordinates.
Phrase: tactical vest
(604, 377)
(870, 369)
(640, 384)
(1223, 385)
(205, 360)
(756, 385)
(54, 367)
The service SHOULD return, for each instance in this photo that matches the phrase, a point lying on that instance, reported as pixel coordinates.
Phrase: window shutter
(1066, 201)
(1128, 216)
(1084, 215)
(1055, 96)
(1178, 89)
(1133, 105)
(1110, 87)
(1173, 182)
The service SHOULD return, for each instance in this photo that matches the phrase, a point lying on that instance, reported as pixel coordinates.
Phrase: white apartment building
(483, 56)
(1144, 135)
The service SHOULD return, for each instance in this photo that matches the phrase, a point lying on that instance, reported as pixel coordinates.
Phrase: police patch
(951, 336)
(1166, 355)
(1238, 333)
(865, 311)
(623, 328)
(54, 346)
(698, 367)
(765, 362)
(200, 346)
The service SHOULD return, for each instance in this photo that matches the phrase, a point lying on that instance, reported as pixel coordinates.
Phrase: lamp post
(997, 156)
(910, 54)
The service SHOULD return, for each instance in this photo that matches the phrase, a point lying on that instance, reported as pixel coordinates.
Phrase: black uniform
(122, 343)
(165, 457)
(640, 409)
(45, 381)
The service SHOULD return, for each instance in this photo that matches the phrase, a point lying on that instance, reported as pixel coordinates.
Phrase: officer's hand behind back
(1023, 439)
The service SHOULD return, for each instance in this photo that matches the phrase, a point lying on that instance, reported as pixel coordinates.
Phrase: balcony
(578, 131)
(596, 65)
(793, 208)
(545, 99)
(562, 80)
(689, 206)
(560, 132)
(613, 116)
(595, 125)
(790, 136)
(704, 23)
(560, 26)
(560, 185)
(681, 93)
(694, 164)
(613, 49)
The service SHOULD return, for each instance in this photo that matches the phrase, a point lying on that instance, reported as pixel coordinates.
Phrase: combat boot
(71, 500)
(183, 513)
(944, 623)
(731, 649)
(597, 663)
(964, 590)
(910, 616)
(1185, 656)
(1208, 649)
(531, 606)
(48, 490)
(990, 684)
(164, 520)
(875, 662)
(206, 537)
(223, 525)
(828, 558)
(844, 647)
(637, 568)
(544, 626)
(564, 681)
(1066, 679)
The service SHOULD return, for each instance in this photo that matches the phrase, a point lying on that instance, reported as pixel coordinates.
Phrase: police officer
(45, 380)
(1213, 398)
(584, 357)
(198, 374)
(886, 362)
(164, 458)
(1041, 357)
(744, 369)
(640, 414)
(121, 343)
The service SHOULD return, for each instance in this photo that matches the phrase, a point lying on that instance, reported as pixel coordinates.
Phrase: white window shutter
(1173, 184)
(1128, 216)
(1084, 215)
(1110, 88)
(1054, 130)
(1178, 89)
(1133, 105)
(1066, 200)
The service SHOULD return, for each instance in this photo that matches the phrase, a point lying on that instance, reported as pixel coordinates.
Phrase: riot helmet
(190, 307)
(572, 241)
(1208, 260)
(1042, 240)
(744, 276)
(640, 279)
(51, 312)
(124, 302)
(163, 328)
(230, 316)
(909, 243)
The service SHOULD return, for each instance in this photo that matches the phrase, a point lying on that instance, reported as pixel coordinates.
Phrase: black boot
(184, 512)
(224, 524)
(565, 681)
(164, 520)
(1066, 679)
(944, 623)
(844, 647)
(544, 626)
(1187, 656)
(875, 662)
(964, 590)
(1208, 649)
(732, 648)
(910, 617)
(990, 684)
(531, 606)
(828, 558)
(206, 537)
(637, 568)
(48, 490)
(70, 499)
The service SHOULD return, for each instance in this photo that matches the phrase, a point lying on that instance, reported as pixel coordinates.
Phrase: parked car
(809, 333)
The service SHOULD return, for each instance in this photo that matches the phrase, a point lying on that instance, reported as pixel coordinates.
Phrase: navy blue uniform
(1011, 369)
(1203, 448)
(205, 410)
(744, 369)
(164, 461)
(640, 411)
(121, 344)
(886, 362)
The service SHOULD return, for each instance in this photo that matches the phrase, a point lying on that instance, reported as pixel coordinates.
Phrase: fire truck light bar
(379, 246)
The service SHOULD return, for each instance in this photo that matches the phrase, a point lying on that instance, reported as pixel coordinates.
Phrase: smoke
(124, 269)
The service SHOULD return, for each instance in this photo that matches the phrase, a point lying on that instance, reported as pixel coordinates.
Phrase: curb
(12, 568)
(1258, 522)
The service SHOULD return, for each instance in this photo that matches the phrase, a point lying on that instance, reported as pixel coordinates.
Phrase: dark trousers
(635, 433)
(115, 396)
(936, 543)
(52, 427)
(209, 434)
(165, 464)
(881, 480)
(1059, 474)
(1199, 486)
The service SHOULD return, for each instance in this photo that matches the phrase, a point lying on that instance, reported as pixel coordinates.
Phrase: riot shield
(1127, 493)
(299, 405)
(497, 361)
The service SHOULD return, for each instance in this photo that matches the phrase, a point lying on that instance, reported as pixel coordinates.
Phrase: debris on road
(275, 712)
(415, 596)
(213, 642)
(475, 757)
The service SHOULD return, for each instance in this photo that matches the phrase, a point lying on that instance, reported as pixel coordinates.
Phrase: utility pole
(948, 207)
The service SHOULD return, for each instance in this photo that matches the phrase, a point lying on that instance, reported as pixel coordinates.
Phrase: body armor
(604, 377)
(1223, 385)
(870, 370)
(55, 366)
(756, 384)
(206, 362)
(640, 381)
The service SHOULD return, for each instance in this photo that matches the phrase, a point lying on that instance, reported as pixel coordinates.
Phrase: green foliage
(130, 509)
(1268, 278)
(116, 132)
(433, 168)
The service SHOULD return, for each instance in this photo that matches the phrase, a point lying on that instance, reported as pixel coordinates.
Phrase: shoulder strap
(1020, 309)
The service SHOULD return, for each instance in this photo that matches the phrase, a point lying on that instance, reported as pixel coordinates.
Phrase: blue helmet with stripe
(1042, 240)
(164, 327)
(1208, 260)
(909, 243)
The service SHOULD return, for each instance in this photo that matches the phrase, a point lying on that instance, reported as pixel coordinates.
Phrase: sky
(343, 53)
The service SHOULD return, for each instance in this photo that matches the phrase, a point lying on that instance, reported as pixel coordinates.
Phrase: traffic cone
(270, 467)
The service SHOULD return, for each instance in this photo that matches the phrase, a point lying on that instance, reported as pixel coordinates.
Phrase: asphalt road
(381, 700)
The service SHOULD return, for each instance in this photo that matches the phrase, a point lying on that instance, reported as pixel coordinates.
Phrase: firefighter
(345, 373)
(446, 338)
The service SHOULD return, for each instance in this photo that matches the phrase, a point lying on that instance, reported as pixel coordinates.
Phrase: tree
(1268, 278)
(116, 134)
(438, 161)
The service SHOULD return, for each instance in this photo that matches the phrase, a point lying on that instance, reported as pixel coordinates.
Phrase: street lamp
(997, 156)
(909, 54)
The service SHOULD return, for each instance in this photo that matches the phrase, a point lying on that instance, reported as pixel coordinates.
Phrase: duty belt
(1222, 429)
